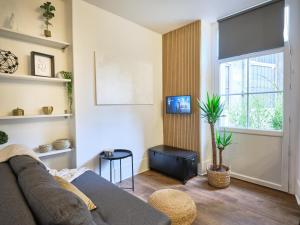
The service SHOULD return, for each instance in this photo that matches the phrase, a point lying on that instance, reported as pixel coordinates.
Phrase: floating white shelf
(33, 116)
(32, 78)
(53, 152)
(4, 32)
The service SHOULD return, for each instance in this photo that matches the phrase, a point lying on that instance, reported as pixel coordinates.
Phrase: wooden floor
(241, 204)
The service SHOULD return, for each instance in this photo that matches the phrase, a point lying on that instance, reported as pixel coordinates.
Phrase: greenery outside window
(252, 91)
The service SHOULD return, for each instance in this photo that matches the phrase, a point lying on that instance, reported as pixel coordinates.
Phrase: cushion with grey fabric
(13, 207)
(116, 206)
(50, 204)
(22, 162)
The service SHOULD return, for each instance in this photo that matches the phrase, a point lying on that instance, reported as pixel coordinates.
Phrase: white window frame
(263, 132)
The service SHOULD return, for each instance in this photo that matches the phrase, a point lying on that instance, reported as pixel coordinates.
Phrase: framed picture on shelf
(42, 64)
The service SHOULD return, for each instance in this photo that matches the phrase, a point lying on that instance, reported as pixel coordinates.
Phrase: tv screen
(178, 104)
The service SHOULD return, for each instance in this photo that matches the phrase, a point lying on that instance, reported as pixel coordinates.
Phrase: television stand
(175, 162)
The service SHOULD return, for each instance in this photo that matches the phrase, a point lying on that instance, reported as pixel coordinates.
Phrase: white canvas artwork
(123, 81)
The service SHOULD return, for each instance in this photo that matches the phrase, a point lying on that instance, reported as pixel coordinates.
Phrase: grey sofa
(30, 196)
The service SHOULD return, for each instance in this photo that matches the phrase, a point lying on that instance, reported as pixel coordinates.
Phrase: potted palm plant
(212, 110)
(222, 141)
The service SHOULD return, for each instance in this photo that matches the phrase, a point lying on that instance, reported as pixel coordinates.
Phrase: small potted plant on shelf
(69, 86)
(3, 137)
(48, 14)
(212, 110)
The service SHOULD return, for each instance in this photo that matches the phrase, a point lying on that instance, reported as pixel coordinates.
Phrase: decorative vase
(219, 179)
(47, 33)
(10, 22)
(45, 148)
(61, 144)
(108, 153)
(47, 110)
(18, 112)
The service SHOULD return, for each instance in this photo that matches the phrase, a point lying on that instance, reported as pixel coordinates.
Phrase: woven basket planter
(219, 179)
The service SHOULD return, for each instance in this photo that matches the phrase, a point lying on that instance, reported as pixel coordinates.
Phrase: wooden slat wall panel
(181, 76)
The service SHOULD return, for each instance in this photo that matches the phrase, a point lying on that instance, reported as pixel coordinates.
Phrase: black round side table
(118, 154)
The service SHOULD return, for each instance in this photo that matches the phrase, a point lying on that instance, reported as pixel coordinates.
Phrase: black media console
(174, 162)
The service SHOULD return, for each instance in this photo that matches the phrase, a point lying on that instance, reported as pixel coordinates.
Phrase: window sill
(273, 133)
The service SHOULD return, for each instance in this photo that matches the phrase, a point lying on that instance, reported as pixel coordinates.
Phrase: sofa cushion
(20, 163)
(70, 187)
(13, 206)
(116, 206)
(50, 204)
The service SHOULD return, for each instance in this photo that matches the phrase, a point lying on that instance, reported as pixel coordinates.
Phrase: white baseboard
(297, 191)
(257, 181)
(202, 168)
(297, 199)
(199, 169)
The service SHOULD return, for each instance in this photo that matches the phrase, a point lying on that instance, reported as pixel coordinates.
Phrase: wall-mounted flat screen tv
(178, 104)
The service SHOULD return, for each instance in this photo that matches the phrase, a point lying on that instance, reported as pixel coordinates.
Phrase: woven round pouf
(177, 205)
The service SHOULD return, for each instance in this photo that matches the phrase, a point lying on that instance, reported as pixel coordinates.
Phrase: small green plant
(3, 138)
(48, 14)
(212, 110)
(69, 86)
(222, 141)
(265, 112)
(277, 118)
(237, 114)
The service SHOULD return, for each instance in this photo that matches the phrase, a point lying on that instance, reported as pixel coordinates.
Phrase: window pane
(235, 111)
(252, 91)
(266, 73)
(233, 77)
(266, 111)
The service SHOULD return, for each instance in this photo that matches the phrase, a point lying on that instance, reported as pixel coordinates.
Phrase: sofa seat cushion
(116, 206)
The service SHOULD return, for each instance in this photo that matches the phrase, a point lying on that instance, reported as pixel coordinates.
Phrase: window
(252, 92)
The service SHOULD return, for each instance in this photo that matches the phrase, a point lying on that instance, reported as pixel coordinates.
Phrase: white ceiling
(166, 15)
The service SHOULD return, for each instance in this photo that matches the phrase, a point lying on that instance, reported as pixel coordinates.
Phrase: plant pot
(61, 144)
(47, 110)
(219, 179)
(47, 33)
(45, 148)
(18, 112)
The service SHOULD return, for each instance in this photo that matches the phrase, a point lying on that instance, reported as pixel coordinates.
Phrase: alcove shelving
(26, 77)
(17, 78)
(53, 152)
(12, 34)
(34, 116)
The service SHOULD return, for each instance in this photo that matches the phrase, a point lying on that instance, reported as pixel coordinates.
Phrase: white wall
(31, 96)
(294, 99)
(256, 158)
(135, 127)
(206, 82)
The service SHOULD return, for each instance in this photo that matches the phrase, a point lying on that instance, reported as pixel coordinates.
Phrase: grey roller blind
(253, 30)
